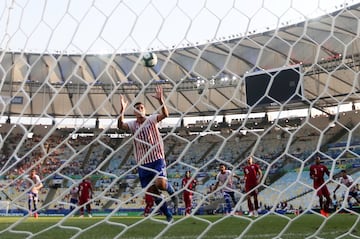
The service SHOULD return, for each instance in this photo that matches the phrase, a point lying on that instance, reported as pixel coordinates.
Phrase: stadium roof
(198, 79)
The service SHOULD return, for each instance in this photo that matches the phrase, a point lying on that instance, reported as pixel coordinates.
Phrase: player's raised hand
(123, 103)
(159, 94)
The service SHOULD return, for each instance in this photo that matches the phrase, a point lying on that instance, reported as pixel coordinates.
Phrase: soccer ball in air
(149, 59)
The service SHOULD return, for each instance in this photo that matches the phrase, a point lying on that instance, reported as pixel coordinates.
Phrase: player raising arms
(252, 176)
(149, 149)
(317, 173)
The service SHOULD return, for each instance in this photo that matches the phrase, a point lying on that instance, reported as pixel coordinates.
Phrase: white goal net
(274, 80)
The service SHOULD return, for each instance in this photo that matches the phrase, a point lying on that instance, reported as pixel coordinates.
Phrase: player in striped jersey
(149, 148)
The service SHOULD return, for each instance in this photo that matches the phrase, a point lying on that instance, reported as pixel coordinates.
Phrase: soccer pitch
(217, 226)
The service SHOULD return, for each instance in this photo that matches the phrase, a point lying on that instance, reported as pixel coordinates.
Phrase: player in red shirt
(149, 203)
(317, 173)
(253, 175)
(85, 195)
(189, 184)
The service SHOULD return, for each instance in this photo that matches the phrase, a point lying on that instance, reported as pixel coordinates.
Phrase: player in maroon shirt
(149, 203)
(253, 175)
(317, 173)
(85, 195)
(189, 184)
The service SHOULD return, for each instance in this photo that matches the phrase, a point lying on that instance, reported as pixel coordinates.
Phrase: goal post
(4, 207)
(278, 82)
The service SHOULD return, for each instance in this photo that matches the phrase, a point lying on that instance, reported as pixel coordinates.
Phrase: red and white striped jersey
(148, 143)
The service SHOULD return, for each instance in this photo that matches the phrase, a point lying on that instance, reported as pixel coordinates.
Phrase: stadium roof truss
(197, 80)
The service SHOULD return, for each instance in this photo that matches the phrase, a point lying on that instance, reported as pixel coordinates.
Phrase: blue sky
(110, 26)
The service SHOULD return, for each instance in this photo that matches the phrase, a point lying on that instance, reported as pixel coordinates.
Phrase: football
(149, 59)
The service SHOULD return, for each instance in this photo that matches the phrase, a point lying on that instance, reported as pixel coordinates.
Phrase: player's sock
(228, 203)
(29, 204)
(35, 200)
(164, 209)
(233, 199)
(250, 205)
(170, 189)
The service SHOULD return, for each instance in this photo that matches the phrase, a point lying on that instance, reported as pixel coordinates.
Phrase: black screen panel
(283, 83)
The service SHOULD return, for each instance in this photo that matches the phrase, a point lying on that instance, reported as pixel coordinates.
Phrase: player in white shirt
(225, 179)
(74, 197)
(348, 181)
(35, 185)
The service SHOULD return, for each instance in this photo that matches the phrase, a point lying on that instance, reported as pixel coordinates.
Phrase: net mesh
(59, 112)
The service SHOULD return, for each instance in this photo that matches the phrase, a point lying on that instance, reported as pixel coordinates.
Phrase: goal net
(277, 82)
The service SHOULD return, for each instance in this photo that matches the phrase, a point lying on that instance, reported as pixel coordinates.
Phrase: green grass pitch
(217, 226)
